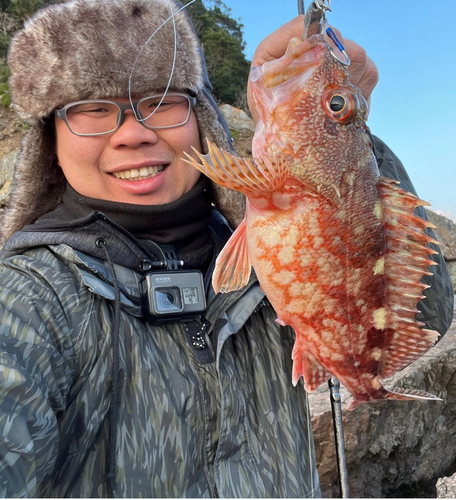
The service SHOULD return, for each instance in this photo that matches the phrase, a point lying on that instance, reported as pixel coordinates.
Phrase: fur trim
(85, 49)
(38, 181)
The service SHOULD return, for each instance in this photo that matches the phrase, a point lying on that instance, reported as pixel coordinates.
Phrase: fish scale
(314, 307)
(336, 248)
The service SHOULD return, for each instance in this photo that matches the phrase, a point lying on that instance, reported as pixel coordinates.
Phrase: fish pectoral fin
(250, 177)
(305, 365)
(233, 267)
(403, 394)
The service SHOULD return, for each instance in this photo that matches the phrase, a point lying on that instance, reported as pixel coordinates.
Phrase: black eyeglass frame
(62, 112)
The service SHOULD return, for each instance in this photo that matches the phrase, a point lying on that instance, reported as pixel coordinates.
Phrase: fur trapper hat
(86, 49)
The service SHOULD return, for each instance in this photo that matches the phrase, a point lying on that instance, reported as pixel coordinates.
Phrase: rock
(6, 175)
(12, 131)
(394, 446)
(446, 234)
(446, 487)
(452, 269)
(237, 119)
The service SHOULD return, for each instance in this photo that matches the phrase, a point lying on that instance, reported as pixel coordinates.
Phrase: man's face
(106, 166)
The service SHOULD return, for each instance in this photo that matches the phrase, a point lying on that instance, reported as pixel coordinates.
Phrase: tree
(9, 23)
(23, 9)
(223, 44)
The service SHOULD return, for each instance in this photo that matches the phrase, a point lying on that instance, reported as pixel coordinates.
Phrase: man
(101, 394)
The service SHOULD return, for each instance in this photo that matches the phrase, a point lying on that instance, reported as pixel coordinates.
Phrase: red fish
(336, 248)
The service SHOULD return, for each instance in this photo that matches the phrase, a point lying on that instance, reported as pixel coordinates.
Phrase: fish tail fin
(398, 394)
(405, 394)
(250, 177)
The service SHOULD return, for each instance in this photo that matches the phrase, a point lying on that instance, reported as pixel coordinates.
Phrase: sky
(413, 110)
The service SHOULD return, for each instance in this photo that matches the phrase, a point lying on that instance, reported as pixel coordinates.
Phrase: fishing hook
(315, 22)
(323, 5)
(332, 35)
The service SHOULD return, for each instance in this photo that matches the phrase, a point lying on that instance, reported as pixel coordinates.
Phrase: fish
(336, 247)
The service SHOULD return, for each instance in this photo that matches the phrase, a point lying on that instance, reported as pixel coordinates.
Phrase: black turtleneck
(182, 223)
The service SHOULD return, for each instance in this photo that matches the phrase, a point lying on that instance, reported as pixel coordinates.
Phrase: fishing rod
(336, 407)
(336, 403)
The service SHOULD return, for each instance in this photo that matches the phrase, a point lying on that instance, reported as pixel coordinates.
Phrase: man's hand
(363, 71)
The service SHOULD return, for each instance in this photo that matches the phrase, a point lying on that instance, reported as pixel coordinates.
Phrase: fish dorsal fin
(233, 267)
(305, 365)
(250, 177)
(406, 262)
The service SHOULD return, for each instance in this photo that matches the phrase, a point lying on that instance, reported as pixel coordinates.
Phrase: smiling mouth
(139, 174)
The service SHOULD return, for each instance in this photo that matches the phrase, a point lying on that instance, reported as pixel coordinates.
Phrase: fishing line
(172, 17)
(173, 66)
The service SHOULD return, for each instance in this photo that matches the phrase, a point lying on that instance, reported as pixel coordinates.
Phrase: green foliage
(12, 15)
(223, 44)
(4, 70)
(4, 44)
(23, 9)
(5, 96)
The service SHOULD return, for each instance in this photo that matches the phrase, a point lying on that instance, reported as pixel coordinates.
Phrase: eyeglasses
(101, 116)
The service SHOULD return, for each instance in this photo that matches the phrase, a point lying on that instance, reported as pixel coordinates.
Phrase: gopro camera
(174, 294)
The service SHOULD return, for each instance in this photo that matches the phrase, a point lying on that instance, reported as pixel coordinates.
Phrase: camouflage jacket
(222, 421)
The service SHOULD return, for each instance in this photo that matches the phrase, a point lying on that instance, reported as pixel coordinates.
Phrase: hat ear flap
(38, 181)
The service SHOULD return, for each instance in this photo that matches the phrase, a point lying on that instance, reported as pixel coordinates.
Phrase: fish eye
(337, 103)
(340, 103)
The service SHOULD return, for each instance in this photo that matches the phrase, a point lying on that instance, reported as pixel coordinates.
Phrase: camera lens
(167, 299)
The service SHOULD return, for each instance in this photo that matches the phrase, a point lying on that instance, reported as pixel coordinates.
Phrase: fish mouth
(299, 58)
